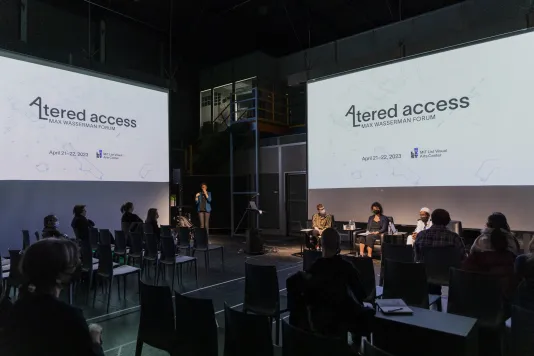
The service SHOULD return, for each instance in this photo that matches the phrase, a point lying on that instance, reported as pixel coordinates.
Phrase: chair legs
(139, 347)
(222, 258)
(110, 283)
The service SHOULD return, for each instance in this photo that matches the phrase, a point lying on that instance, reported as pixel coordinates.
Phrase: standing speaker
(177, 176)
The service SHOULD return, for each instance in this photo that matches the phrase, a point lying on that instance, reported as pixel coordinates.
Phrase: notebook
(393, 306)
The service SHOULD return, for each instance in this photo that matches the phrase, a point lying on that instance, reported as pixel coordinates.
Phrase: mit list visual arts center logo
(99, 154)
(415, 153)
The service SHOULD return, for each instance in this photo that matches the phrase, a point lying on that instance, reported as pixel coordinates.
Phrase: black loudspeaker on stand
(254, 242)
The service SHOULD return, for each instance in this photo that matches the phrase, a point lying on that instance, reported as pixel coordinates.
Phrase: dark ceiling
(217, 30)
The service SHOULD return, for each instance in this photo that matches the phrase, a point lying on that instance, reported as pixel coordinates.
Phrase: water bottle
(191, 242)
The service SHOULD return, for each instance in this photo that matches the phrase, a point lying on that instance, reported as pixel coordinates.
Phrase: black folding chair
(262, 293)
(88, 266)
(246, 334)
(170, 258)
(366, 271)
(184, 239)
(408, 281)
(298, 342)
(120, 245)
(136, 249)
(107, 273)
(202, 244)
(156, 324)
(151, 254)
(438, 262)
(394, 252)
(196, 327)
(105, 237)
(522, 340)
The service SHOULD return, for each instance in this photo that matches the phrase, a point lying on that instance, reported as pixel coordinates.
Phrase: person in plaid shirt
(438, 235)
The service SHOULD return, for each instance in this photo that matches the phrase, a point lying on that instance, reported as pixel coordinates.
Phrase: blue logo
(99, 154)
(415, 153)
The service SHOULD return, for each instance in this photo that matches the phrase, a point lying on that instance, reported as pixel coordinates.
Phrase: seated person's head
(79, 210)
(48, 265)
(424, 214)
(320, 209)
(441, 217)
(498, 221)
(51, 222)
(376, 208)
(330, 242)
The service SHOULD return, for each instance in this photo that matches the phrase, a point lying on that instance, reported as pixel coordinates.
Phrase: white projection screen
(451, 129)
(75, 137)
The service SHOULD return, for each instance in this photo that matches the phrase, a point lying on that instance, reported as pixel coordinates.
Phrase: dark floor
(121, 323)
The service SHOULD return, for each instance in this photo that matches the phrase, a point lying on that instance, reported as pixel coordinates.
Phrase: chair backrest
(438, 261)
(136, 239)
(456, 226)
(309, 257)
(371, 350)
(151, 246)
(522, 342)
(165, 231)
(105, 237)
(148, 228)
(298, 342)
(94, 237)
(309, 224)
(37, 236)
(105, 260)
(400, 253)
(156, 324)
(168, 249)
(196, 327)
(14, 263)
(294, 227)
(261, 288)
(201, 238)
(183, 236)
(25, 239)
(86, 254)
(407, 281)
(366, 270)
(246, 334)
(476, 295)
(120, 241)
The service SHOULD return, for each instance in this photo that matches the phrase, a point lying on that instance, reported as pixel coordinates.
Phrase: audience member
(424, 222)
(39, 323)
(496, 221)
(438, 235)
(336, 300)
(524, 269)
(320, 221)
(80, 224)
(377, 225)
(128, 215)
(51, 225)
(495, 258)
(152, 217)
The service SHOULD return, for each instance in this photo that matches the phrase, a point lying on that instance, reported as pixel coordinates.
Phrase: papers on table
(393, 306)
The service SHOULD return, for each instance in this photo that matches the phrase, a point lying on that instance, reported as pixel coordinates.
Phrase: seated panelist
(376, 227)
(320, 222)
(423, 223)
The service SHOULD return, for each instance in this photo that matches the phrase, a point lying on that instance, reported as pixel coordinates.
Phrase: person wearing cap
(423, 223)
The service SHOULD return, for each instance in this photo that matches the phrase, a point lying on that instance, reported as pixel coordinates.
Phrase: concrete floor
(121, 323)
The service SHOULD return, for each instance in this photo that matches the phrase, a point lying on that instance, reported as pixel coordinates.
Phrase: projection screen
(445, 130)
(76, 137)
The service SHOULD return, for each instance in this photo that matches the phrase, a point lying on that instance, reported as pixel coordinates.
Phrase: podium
(254, 242)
